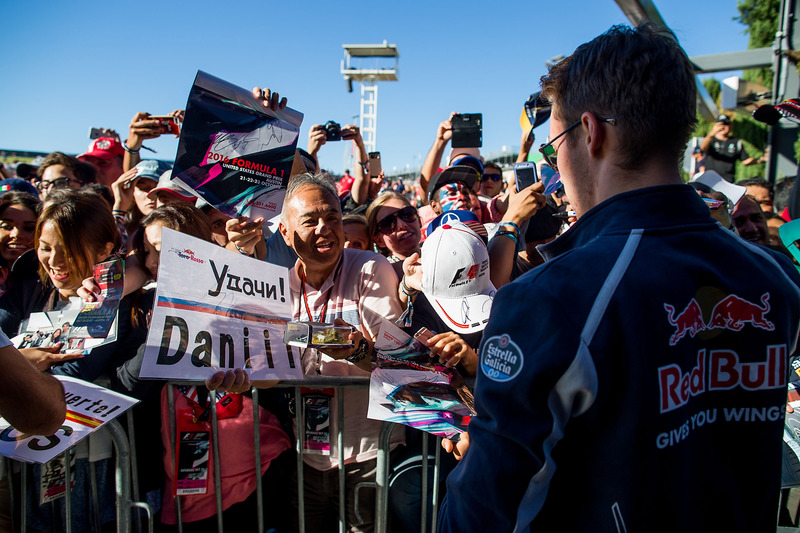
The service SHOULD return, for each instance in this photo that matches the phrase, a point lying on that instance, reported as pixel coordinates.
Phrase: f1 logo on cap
(473, 271)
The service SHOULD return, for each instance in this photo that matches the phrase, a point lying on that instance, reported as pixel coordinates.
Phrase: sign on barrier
(89, 406)
(217, 310)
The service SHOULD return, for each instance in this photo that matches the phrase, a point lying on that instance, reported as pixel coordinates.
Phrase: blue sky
(73, 65)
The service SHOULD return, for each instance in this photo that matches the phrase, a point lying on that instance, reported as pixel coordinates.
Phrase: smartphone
(96, 133)
(169, 123)
(374, 164)
(525, 174)
(467, 130)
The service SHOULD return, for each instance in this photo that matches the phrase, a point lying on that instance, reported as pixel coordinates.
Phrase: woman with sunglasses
(395, 228)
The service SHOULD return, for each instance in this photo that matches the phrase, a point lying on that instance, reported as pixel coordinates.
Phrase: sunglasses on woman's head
(388, 224)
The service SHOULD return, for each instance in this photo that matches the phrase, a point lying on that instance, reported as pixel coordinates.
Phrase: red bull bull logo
(721, 370)
(734, 312)
(730, 313)
(689, 321)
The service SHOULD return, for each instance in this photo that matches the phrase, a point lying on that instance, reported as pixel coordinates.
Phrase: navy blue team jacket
(634, 382)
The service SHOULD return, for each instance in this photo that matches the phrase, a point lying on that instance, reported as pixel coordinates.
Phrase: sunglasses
(388, 224)
(493, 177)
(549, 151)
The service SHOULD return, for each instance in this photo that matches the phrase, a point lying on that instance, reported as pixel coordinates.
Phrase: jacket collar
(662, 206)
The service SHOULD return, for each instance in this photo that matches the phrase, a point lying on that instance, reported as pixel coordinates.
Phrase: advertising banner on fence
(233, 152)
(89, 406)
(217, 310)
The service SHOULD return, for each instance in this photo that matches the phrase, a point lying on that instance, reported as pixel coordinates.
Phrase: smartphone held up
(525, 175)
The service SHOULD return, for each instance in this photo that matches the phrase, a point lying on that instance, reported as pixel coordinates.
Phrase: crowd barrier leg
(340, 444)
(23, 499)
(257, 447)
(68, 490)
(95, 498)
(423, 520)
(122, 479)
(134, 468)
(301, 437)
(382, 478)
(172, 436)
(436, 474)
(212, 400)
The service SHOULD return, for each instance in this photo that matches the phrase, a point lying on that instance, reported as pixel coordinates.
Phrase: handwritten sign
(89, 406)
(217, 310)
(233, 152)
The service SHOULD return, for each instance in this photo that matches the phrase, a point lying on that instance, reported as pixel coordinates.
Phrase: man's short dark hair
(640, 77)
(756, 182)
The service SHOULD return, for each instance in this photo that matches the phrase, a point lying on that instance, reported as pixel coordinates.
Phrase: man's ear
(285, 234)
(594, 135)
(435, 206)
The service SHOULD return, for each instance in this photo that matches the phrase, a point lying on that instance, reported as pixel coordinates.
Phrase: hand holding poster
(408, 388)
(233, 152)
(89, 406)
(217, 310)
(80, 326)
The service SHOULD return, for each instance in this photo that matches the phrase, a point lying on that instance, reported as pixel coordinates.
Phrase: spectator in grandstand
(331, 284)
(105, 154)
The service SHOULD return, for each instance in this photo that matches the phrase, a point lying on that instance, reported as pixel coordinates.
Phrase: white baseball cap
(713, 180)
(455, 277)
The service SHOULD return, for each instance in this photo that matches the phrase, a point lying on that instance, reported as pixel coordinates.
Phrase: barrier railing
(128, 499)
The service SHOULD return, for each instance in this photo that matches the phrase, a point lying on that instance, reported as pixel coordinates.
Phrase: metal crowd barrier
(126, 475)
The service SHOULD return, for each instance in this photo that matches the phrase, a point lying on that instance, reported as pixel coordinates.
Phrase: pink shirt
(362, 291)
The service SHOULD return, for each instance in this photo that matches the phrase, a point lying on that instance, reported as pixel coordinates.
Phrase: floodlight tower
(383, 68)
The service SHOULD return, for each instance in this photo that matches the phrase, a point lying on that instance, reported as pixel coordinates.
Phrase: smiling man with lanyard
(331, 284)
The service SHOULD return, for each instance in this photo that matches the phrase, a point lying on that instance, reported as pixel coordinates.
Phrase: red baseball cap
(104, 148)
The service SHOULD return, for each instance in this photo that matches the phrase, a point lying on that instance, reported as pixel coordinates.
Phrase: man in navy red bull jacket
(637, 380)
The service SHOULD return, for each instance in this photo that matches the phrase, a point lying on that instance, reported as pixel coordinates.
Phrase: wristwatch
(361, 353)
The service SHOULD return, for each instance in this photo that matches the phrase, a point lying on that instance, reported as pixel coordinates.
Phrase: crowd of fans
(360, 250)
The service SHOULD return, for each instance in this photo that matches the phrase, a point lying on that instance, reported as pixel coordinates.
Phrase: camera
(333, 131)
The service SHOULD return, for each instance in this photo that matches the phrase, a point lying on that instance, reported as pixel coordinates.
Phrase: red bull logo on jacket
(721, 370)
(731, 313)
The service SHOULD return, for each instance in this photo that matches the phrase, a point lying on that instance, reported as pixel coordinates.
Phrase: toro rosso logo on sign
(731, 313)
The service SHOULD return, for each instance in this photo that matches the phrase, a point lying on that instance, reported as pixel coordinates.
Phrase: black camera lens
(333, 131)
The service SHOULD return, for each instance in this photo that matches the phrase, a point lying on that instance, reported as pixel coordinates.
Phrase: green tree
(761, 19)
